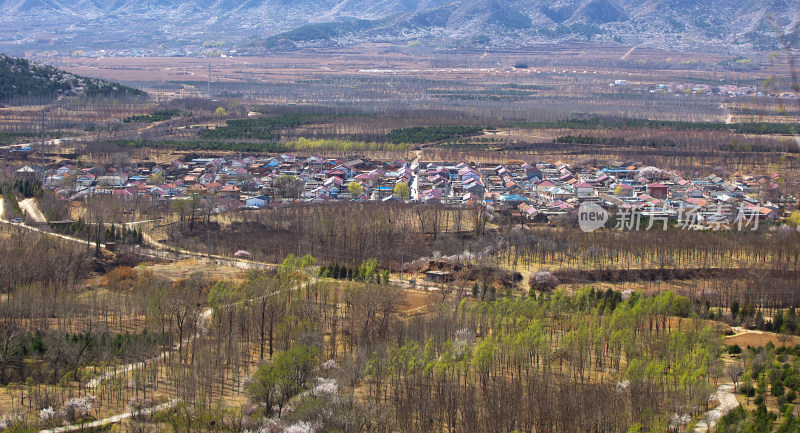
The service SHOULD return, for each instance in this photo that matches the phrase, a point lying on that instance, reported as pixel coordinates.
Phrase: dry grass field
(760, 338)
(378, 59)
(184, 268)
(572, 70)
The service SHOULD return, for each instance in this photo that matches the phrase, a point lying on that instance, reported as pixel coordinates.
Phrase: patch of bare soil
(760, 338)
(184, 268)
(31, 208)
(417, 302)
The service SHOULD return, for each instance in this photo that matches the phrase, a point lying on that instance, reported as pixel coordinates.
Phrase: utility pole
(42, 128)
(402, 265)
(209, 81)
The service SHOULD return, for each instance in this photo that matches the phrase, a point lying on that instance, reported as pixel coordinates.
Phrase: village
(532, 192)
(718, 89)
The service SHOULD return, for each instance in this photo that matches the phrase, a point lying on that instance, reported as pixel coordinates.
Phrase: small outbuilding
(438, 276)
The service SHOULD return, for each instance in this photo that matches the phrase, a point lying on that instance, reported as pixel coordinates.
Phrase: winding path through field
(94, 383)
(727, 402)
(110, 420)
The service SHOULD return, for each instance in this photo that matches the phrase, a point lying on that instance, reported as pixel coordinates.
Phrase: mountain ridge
(733, 25)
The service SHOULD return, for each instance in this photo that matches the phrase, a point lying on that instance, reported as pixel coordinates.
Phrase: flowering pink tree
(543, 281)
(242, 254)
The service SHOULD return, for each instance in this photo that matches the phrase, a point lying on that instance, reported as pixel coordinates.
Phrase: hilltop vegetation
(23, 78)
(311, 32)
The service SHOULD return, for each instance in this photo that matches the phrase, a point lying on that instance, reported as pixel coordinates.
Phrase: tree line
(262, 128)
(429, 134)
(156, 116)
(597, 123)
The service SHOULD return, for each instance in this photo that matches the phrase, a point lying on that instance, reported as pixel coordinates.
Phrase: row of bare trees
(346, 233)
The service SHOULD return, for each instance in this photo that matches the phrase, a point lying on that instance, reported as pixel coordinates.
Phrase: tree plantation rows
(267, 129)
(184, 145)
(600, 123)
(296, 345)
(575, 364)
(672, 248)
(28, 259)
(668, 144)
(347, 233)
(157, 116)
(429, 134)
(336, 147)
(261, 128)
(716, 267)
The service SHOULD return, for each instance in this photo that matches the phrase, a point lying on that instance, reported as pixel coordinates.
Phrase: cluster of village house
(730, 90)
(531, 191)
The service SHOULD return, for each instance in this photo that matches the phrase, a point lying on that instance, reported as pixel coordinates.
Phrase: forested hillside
(20, 77)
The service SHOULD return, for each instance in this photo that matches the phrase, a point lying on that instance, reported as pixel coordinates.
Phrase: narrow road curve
(158, 250)
(202, 320)
(180, 254)
(110, 420)
(94, 383)
(727, 402)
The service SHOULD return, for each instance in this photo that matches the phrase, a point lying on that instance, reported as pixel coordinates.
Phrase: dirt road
(31, 207)
(94, 383)
(111, 420)
(727, 402)
(156, 250)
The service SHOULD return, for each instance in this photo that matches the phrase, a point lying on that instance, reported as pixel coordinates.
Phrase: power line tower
(42, 127)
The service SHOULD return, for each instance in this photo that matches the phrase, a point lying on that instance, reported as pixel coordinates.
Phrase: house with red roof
(432, 196)
(231, 191)
(544, 185)
(583, 190)
(657, 190)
